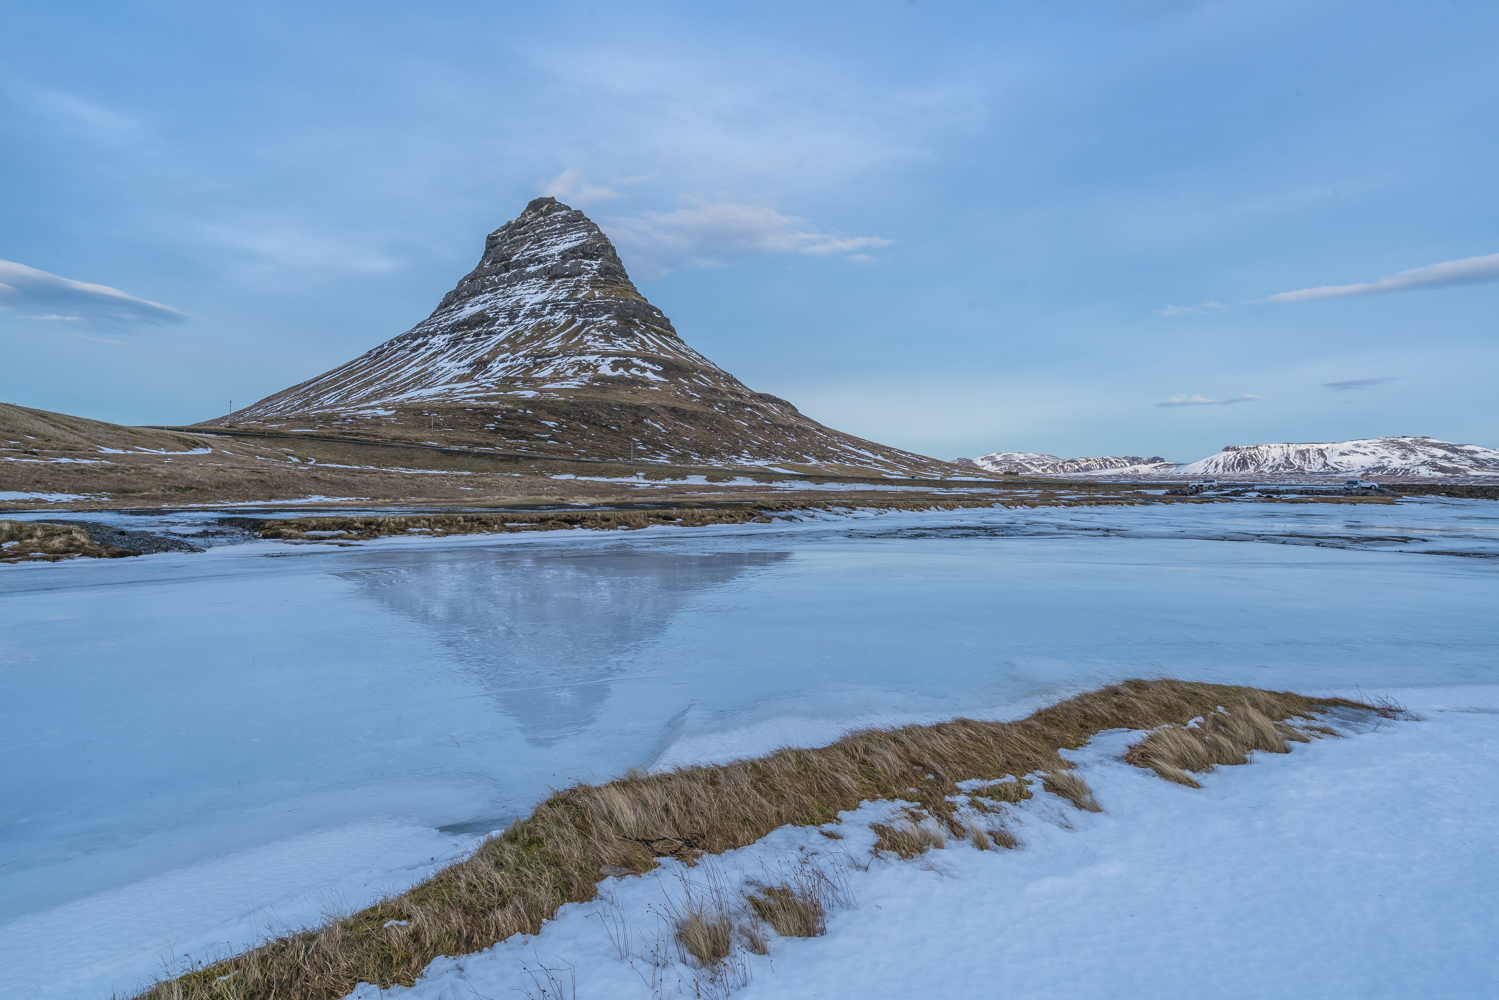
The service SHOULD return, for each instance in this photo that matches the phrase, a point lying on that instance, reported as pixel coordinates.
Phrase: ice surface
(314, 714)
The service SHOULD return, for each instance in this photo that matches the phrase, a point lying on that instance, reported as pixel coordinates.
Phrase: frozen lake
(201, 746)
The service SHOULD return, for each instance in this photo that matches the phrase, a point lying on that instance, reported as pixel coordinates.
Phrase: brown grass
(357, 528)
(516, 880)
(1015, 791)
(1223, 736)
(909, 837)
(797, 904)
(1001, 836)
(33, 541)
(1071, 786)
(685, 516)
(789, 912)
(706, 934)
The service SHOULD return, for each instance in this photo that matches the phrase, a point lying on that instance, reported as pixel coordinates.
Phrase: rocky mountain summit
(548, 348)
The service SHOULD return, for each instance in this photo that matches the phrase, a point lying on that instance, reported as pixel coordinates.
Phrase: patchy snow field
(202, 747)
(1359, 867)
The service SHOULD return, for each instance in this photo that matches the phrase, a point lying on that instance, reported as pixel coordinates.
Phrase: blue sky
(1053, 226)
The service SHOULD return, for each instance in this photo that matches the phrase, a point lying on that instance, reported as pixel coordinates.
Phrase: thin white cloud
(703, 235)
(26, 287)
(95, 340)
(72, 111)
(1205, 307)
(1355, 384)
(571, 187)
(282, 247)
(1199, 400)
(1468, 271)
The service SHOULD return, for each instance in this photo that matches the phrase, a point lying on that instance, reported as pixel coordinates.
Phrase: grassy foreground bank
(518, 879)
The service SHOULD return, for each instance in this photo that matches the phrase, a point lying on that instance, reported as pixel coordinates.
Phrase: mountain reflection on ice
(545, 633)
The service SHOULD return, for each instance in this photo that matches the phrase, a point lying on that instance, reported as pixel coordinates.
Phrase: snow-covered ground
(1359, 867)
(203, 746)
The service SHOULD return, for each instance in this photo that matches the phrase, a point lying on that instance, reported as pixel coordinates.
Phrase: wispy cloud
(572, 187)
(1354, 384)
(703, 235)
(275, 246)
(95, 340)
(1197, 400)
(1206, 307)
(1468, 271)
(27, 288)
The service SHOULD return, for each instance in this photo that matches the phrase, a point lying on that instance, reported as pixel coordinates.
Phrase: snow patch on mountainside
(1387, 456)
(1037, 462)
(1384, 456)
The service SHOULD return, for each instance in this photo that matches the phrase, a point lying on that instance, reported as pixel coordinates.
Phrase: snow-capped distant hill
(1385, 456)
(1039, 463)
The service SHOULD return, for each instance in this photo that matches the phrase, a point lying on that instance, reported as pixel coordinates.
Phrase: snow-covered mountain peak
(547, 347)
(549, 253)
(549, 307)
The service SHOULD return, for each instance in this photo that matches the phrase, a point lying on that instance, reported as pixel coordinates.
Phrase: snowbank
(1350, 867)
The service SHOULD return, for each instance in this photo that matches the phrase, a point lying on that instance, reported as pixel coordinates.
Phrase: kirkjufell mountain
(548, 348)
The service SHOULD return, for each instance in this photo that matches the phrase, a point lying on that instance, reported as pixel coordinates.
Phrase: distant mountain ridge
(548, 348)
(1384, 456)
(1039, 463)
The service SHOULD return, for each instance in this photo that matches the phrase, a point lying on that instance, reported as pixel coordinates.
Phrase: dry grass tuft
(1223, 736)
(1003, 836)
(705, 933)
(1071, 786)
(518, 879)
(752, 933)
(1389, 708)
(797, 904)
(1014, 791)
(908, 839)
(790, 911)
